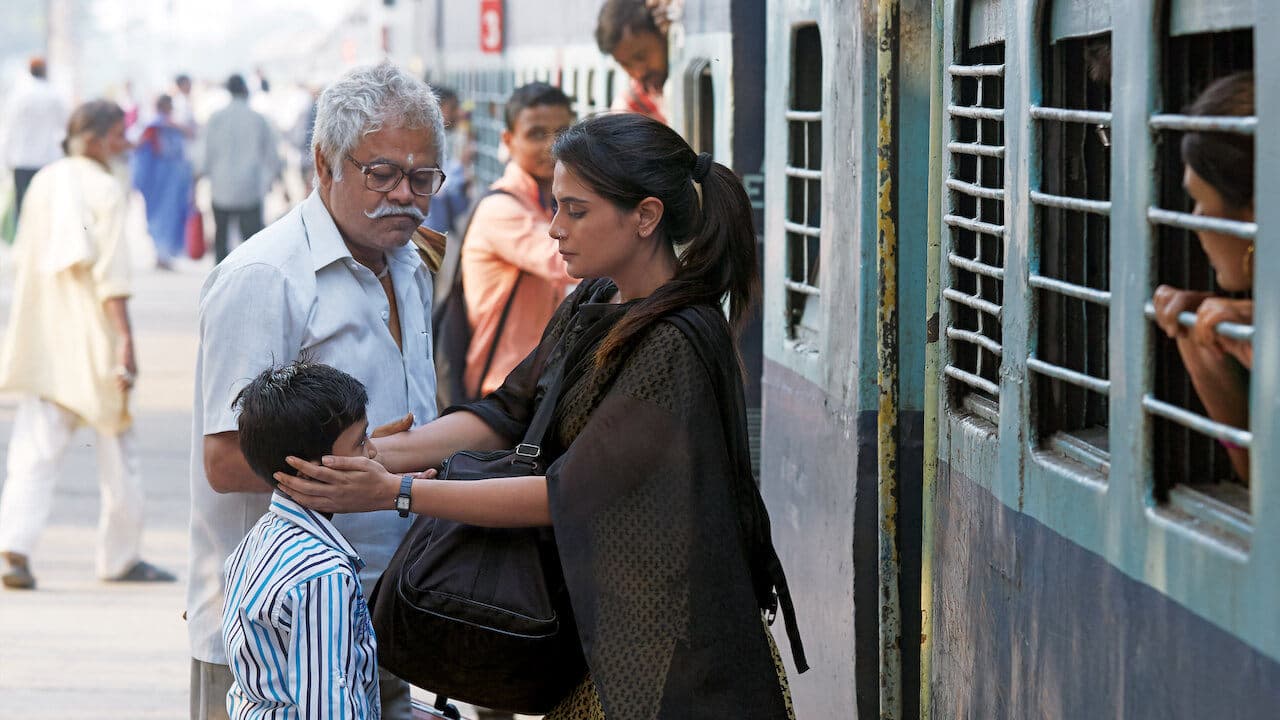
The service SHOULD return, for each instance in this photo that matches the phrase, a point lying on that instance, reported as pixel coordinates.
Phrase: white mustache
(387, 210)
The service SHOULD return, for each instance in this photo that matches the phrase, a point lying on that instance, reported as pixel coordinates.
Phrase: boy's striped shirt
(295, 624)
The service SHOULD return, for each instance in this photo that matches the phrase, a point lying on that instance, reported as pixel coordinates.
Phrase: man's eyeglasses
(384, 177)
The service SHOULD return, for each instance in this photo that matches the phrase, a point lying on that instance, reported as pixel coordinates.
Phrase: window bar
(979, 245)
(974, 112)
(1084, 117)
(1187, 221)
(974, 266)
(973, 301)
(976, 71)
(801, 287)
(976, 191)
(1079, 292)
(1097, 207)
(1198, 423)
(803, 173)
(974, 225)
(1234, 331)
(972, 380)
(976, 148)
(801, 229)
(1078, 379)
(1199, 123)
(804, 116)
(970, 336)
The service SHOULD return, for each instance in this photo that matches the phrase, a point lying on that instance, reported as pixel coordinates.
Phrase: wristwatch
(402, 500)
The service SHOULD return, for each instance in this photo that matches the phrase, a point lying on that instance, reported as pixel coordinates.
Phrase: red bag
(195, 234)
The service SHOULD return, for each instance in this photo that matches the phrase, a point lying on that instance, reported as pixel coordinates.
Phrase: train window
(803, 220)
(488, 121)
(610, 88)
(1193, 447)
(574, 91)
(591, 92)
(1070, 254)
(973, 282)
(700, 99)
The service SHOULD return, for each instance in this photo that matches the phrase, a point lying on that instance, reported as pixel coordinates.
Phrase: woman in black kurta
(661, 531)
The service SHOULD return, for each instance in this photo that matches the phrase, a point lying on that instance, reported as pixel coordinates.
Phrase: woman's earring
(1247, 262)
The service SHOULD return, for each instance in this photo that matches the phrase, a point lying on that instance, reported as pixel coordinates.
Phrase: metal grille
(1070, 253)
(488, 90)
(973, 283)
(803, 220)
(1184, 437)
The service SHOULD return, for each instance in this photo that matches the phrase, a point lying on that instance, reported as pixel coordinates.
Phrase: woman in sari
(661, 531)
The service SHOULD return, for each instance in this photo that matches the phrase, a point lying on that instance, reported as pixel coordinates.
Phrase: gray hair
(367, 99)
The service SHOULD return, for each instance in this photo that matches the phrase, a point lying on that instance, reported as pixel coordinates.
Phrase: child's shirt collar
(314, 523)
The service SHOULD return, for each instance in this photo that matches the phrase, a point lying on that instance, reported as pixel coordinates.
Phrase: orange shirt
(507, 235)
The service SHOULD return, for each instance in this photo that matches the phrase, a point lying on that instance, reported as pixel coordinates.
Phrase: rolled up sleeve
(249, 321)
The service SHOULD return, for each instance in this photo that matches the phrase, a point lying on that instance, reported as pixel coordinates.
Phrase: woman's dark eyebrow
(567, 200)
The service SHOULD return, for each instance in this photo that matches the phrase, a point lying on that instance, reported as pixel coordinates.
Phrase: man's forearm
(225, 468)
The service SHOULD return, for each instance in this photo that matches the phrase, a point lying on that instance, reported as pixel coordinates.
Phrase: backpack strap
(497, 334)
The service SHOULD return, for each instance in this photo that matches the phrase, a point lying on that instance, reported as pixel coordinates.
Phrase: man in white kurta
(62, 352)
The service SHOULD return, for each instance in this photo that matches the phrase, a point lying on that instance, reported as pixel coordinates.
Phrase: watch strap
(404, 498)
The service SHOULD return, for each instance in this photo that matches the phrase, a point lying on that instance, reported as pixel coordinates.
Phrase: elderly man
(335, 280)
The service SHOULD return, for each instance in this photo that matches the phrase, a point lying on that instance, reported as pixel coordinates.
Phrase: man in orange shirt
(512, 273)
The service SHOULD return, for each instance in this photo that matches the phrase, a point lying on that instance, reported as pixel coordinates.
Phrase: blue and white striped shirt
(295, 623)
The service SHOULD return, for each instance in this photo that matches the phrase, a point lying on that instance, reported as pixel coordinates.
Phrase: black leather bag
(482, 614)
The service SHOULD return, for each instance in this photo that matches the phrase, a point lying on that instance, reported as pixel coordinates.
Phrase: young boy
(295, 624)
(509, 259)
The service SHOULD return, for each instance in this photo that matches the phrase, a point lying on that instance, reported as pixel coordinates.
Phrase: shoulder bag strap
(497, 334)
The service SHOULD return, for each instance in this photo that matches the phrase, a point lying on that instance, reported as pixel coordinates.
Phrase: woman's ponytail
(626, 158)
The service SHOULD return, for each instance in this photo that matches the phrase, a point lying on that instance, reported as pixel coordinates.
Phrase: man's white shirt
(292, 289)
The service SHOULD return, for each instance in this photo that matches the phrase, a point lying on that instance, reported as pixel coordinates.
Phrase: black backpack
(451, 329)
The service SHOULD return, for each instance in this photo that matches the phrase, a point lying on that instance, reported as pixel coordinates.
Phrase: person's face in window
(1226, 252)
(399, 211)
(530, 141)
(596, 237)
(643, 55)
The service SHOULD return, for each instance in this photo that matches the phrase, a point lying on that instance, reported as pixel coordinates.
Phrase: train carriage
(993, 485)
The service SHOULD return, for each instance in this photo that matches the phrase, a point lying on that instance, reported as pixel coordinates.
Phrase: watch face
(402, 503)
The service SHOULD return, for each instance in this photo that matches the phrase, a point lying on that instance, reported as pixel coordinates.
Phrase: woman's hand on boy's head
(341, 484)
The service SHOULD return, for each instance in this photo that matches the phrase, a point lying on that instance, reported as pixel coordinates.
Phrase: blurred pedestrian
(626, 29)
(451, 204)
(513, 275)
(336, 280)
(162, 173)
(69, 350)
(183, 114)
(303, 130)
(34, 119)
(241, 160)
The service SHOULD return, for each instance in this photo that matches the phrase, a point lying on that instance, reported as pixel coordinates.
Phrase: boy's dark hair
(617, 16)
(534, 94)
(298, 409)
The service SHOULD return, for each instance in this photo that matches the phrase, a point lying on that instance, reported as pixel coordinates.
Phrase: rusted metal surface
(887, 350)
